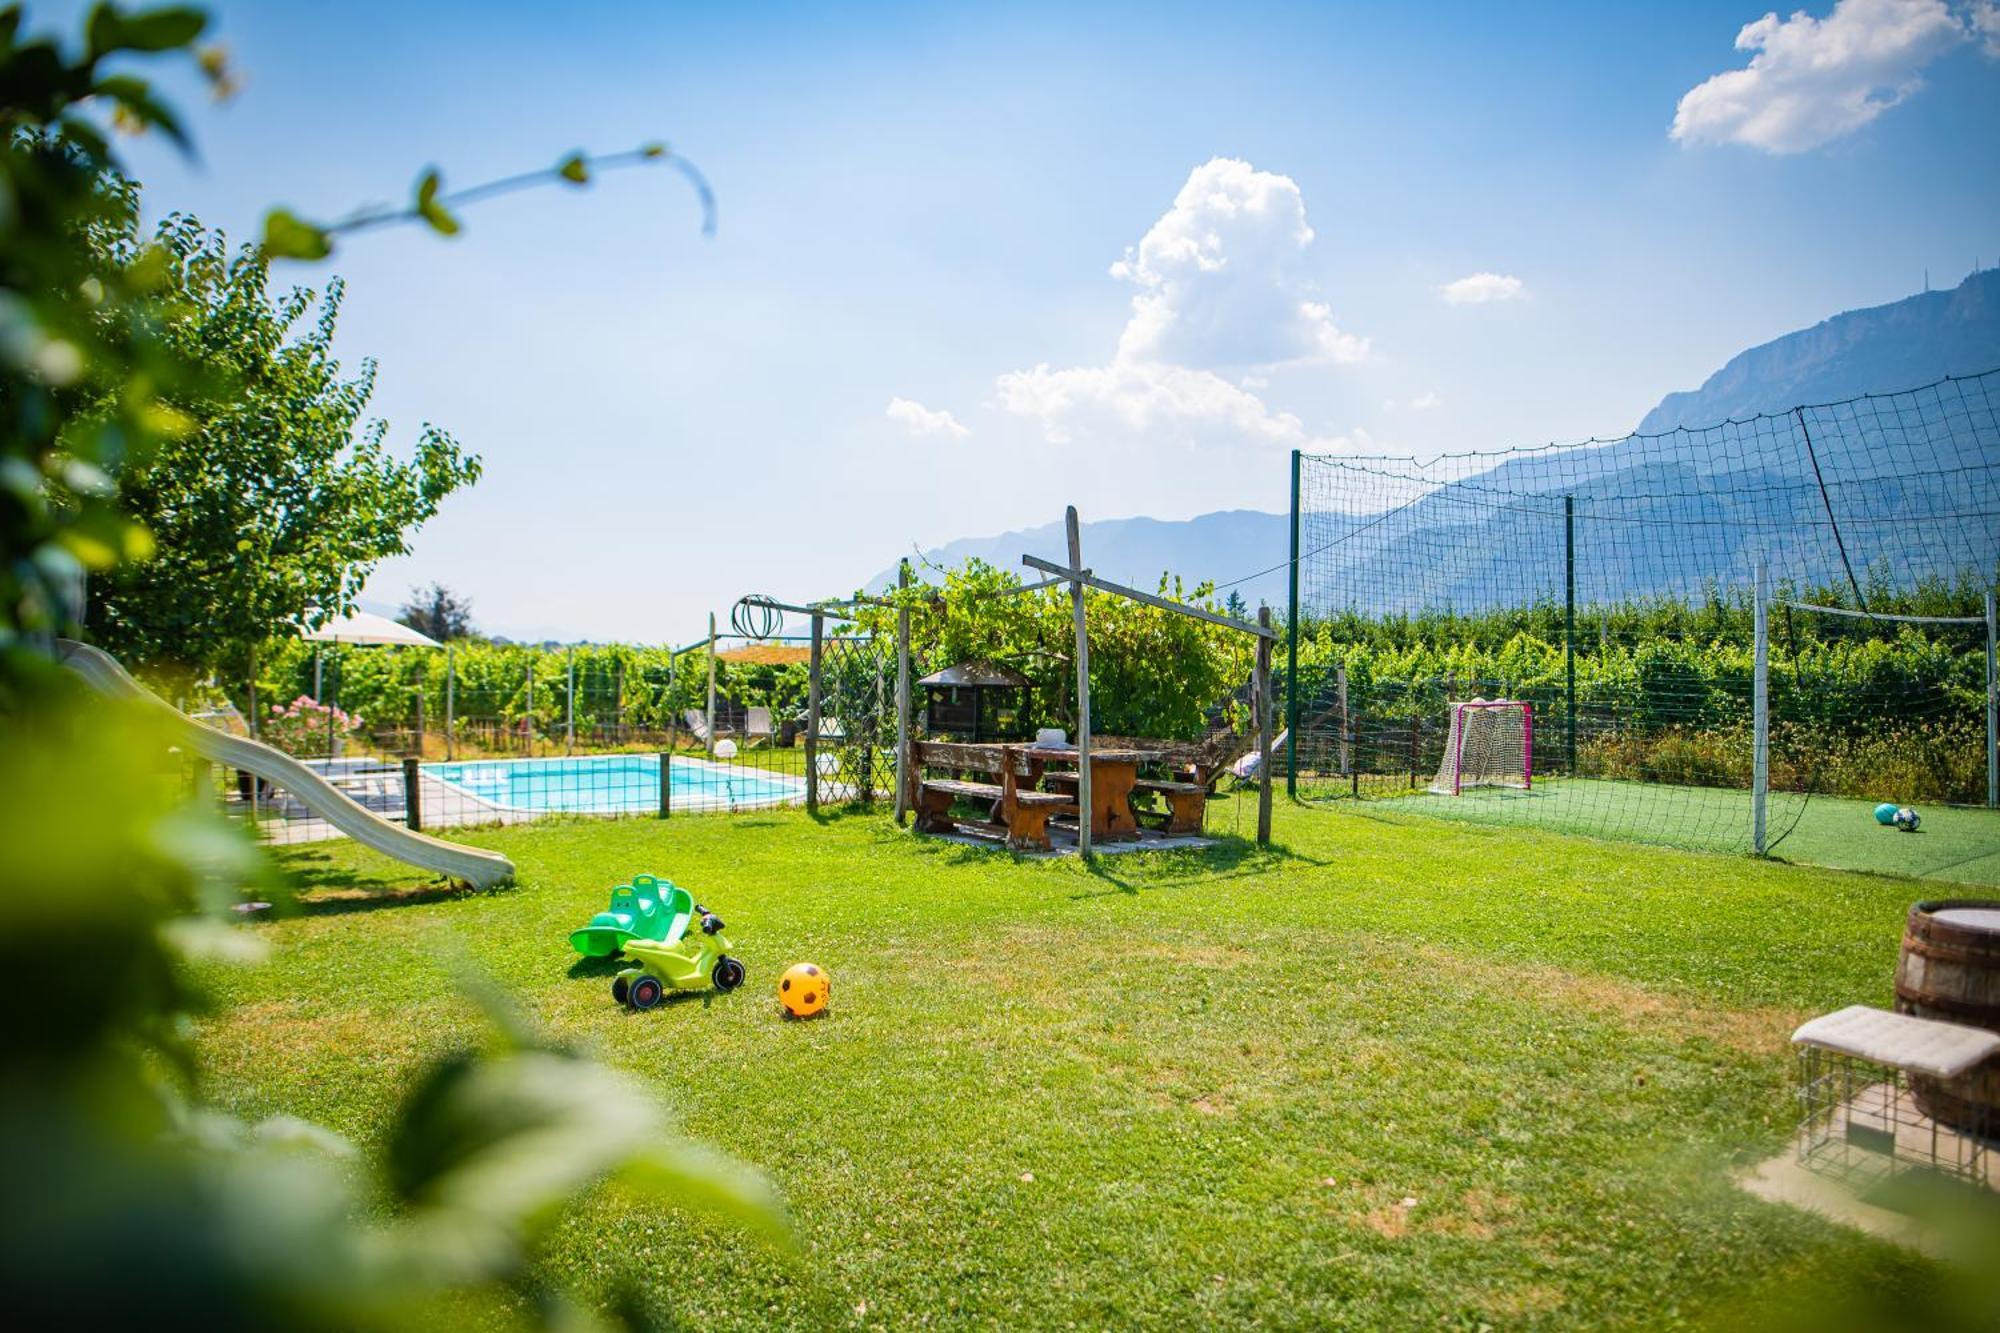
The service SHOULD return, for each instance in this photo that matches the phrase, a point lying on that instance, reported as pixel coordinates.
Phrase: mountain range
(1749, 479)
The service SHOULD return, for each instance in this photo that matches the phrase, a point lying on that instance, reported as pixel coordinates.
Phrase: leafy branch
(288, 236)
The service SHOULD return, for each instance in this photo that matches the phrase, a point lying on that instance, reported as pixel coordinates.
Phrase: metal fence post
(666, 783)
(1992, 710)
(1346, 720)
(413, 801)
(1569, 631)
(1264, 710)
(902, 693)
(812, 715)
(1760, 755)
(708, 741)
(569, 700)
(1292, 647)
(450, 704)
(528, 719)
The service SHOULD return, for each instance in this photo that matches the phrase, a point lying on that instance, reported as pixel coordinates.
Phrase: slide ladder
(474, 865)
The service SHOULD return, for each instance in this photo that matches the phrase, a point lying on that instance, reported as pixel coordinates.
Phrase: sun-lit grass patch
(1389, 1073)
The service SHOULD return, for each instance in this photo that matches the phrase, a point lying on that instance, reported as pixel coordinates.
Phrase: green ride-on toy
(646, 909)
(679, 960)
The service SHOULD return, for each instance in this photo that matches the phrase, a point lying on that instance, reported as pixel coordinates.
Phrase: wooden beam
(1077, 574)
(1084, 809)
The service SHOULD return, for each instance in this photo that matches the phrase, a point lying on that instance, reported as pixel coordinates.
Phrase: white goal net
(1491, 744)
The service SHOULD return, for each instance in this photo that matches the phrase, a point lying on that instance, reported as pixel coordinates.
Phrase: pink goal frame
(1527, 743)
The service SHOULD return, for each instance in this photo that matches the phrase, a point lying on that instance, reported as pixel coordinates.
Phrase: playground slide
(476, 866)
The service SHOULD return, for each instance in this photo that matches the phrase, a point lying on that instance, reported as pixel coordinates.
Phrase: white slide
(474, 865)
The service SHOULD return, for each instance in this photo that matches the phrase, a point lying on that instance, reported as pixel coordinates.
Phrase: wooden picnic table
(1113, 774)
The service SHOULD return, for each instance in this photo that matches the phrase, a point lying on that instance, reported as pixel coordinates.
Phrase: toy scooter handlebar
(711, 924)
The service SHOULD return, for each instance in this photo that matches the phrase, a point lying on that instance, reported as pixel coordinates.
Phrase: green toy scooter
(646, 909)
(679, 960)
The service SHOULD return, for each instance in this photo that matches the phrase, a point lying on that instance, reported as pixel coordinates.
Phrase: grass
(1387, 1074)
(1954, 843)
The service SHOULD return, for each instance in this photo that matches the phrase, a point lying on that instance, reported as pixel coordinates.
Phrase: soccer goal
(1491, 743)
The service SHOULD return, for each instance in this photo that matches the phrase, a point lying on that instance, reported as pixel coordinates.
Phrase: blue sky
(927, 204)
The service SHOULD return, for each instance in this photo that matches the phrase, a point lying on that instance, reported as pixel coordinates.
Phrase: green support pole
(1569, 630)
(1292, 649)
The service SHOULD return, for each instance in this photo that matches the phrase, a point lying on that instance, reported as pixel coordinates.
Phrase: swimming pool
(607, 784)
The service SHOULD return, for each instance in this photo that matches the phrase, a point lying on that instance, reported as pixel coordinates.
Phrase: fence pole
(709, 740)
(618, 701)
(332, 747)
(666, 783)
(1085, 810)
(413, 800)
(1992, 710)
(1292, 648)
(421, 720)
(569, 700)
(1569, 632)
(528, 721)
(1760, 757)
(450, 704)
(902, 695)
(812, 715)
(1264, 711)
(1346, 720)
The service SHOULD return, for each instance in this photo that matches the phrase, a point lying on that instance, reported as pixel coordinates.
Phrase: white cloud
(1482, 288)
(1144, 398)
(1221, 289)
(1219, 277)
(1985, 19)
(1813, 80)
(921, 421)
(1425, 401)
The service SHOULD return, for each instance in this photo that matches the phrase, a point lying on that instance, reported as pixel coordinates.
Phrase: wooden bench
(1187, 802)
(1022, 811)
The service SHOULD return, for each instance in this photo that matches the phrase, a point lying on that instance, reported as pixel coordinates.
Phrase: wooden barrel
(1950, 970)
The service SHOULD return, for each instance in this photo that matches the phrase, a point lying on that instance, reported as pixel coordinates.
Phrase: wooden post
(569, 700)
(812, 715)
(421, 720)
(666, 783)
(450, 704)
(413, 800)
(902, 694)
(1084, 808)
(709, 745)
(1264, 711)
(1760, 754)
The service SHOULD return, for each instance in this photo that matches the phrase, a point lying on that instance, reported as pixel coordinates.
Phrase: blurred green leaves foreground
(129, 1197)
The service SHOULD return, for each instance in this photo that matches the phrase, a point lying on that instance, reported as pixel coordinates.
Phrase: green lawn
(1393, 1073)
(1953, 842)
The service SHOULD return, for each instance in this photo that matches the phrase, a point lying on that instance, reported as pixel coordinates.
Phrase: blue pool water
(614, 784)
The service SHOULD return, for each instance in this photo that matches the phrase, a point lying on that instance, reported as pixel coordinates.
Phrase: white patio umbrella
(360, 627)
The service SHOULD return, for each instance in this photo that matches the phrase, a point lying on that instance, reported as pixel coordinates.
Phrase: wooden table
(1113, 774)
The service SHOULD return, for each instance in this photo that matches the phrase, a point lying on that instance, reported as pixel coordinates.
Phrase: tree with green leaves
(438, 612)
(107, 1143)
(281, 497)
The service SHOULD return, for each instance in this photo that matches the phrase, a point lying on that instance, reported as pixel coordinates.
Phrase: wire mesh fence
(470, 738)
(1612, 588)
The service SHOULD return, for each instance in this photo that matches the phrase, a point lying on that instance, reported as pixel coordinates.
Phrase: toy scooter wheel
(619, 988)
(645, 992)
(728, 973)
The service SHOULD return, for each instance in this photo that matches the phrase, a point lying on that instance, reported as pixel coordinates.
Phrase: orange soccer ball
(804, 990)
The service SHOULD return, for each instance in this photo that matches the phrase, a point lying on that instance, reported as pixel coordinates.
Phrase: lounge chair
(757, 726)
(698, 724)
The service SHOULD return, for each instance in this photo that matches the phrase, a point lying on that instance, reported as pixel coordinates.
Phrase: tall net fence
(1610, 586)
(490, 735)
